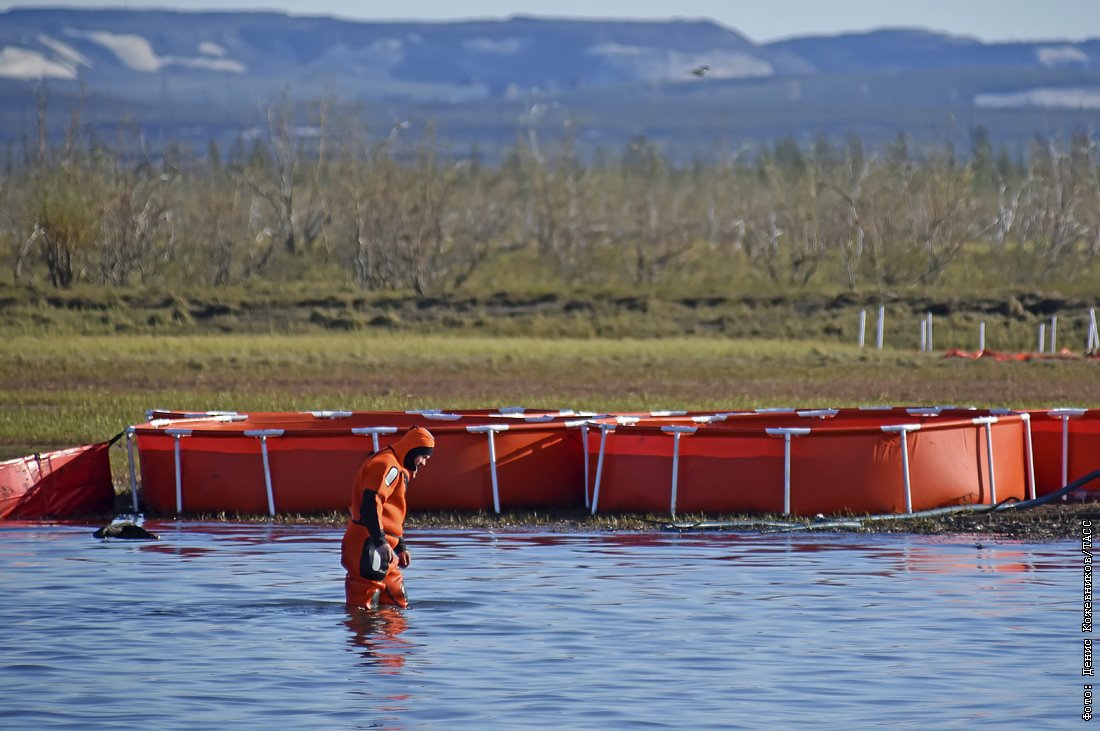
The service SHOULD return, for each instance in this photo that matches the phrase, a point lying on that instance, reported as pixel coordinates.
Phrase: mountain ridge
(480, 80)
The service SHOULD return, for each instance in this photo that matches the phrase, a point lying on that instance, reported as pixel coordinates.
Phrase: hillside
(693, 85)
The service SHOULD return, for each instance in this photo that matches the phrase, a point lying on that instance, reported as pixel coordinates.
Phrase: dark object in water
(128, 531)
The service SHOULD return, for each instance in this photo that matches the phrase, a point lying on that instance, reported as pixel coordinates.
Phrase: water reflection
(375, 636)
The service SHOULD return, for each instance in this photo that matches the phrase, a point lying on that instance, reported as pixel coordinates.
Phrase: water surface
(243, 626)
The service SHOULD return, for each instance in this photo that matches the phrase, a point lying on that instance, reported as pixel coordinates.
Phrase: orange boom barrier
(1067, 446)
(810, 462)
(830, 461)
(300, 463)
(56, 484)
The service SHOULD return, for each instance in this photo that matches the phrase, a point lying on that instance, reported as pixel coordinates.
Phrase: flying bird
(701, 70)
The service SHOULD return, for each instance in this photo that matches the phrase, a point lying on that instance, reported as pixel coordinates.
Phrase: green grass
(60, 391)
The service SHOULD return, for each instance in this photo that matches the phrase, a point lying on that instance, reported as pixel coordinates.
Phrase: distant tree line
(324, 203)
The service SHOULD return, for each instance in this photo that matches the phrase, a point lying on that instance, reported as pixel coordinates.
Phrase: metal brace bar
(676, 432)
(988, 422)
(491, 429)
(130, 460)
(787, 433)
(604, 429)
(177, 434)
(1065, 415)
(903, 430)
(374, 431)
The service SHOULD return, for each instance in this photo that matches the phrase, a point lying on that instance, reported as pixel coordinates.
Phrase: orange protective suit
(378, 502)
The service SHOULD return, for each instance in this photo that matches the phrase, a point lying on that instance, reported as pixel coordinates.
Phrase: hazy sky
(760, 20)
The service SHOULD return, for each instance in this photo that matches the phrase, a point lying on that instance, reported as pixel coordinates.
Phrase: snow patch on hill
(208, 48)
(22, 63)
(132, 50)
(498, 46)
(137, 53)
(1047, 98)
(1058, 56)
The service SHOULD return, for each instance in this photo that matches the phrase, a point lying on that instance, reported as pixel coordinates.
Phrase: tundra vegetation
(316, 201)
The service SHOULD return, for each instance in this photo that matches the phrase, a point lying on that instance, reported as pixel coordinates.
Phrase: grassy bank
(1012, 318)
(64, 390)
(59, 389)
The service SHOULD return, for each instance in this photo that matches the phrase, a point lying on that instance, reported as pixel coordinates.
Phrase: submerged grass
(1048, 522)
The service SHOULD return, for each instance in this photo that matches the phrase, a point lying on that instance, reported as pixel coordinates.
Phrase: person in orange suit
(373, 551)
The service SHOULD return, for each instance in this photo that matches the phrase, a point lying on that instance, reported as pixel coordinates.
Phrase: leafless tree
(135, 210)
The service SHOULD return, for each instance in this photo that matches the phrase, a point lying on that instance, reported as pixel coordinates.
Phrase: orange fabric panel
(860, 473)
(535, 468)
(1084, 449)
(57, 484)
(227, 474)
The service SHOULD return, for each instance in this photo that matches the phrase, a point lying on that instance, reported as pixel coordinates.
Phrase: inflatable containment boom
(847, 461)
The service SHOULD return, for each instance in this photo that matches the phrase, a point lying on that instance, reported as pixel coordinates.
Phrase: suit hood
(417, 437)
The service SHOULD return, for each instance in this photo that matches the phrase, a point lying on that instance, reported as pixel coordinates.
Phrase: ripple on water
(244, 625)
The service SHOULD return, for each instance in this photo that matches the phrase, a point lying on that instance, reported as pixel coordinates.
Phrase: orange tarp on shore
(1062, 354)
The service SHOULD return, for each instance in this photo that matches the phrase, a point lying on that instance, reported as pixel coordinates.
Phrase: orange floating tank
(809, 462)
(830, 461)
(1067, 446)
(305, 462)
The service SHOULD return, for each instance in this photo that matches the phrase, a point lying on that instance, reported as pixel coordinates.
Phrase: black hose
(784, 527)
(1043, 500)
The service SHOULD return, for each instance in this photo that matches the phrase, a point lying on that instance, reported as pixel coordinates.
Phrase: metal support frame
(988, 422)
(604, 429)
(818, 413)
(1029, 452)
(584, 452)
(177, 434)
(676, 432)
(1030, 455)
(263, 434)
(903, 430)
(787, 433)
(491, 429)
(130, 461)
(373, 432)
(1065, 415)
(435, 415)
